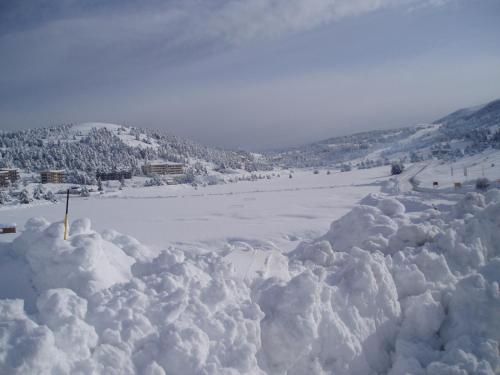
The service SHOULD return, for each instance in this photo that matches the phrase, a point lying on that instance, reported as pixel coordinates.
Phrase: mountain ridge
(465, 131)
(94, 146)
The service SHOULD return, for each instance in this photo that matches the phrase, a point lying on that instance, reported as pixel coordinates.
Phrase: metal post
(66, 217)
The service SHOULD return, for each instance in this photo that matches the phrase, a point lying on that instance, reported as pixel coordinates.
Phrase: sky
(251, 74)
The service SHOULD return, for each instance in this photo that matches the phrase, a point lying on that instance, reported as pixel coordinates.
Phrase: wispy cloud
(65, 38)
(177, 23)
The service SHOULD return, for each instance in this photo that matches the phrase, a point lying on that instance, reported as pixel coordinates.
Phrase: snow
(279, 210)
(121, 131)
(86, 127)
(216, 280)
(86, 263)
(485, 164)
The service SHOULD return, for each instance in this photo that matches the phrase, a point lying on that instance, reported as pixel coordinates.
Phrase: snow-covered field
(275, 210)
(251, 278)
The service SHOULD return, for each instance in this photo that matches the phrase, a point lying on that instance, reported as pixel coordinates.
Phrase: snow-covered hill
(99, 146)
(464, 132)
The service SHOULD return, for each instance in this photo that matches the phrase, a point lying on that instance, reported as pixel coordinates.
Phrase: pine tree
(122, 183)
(397, 168)
(38, 192)
(25, 197)
(50, 196)
(84, 192)
(4, 197)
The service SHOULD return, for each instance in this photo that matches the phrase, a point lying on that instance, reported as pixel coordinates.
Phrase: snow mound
(85, 263)
(185, 315)
(101, 311)
(365, 226)
(446, 270)
(339, 319)
(60, 343)
(384, 291)
(391, 207)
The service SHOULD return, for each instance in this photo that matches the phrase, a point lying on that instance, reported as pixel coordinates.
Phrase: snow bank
(340, 319)
(384, 291)
(85, 263)
(99, 310)
(181, 314)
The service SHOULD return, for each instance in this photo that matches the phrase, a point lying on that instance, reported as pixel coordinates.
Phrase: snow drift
(384, 291)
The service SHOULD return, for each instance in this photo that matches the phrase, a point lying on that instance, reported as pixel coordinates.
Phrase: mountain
(464, 120)
(466, 131)
(91, 147)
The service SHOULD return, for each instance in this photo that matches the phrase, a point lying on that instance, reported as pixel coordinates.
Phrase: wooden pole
(66, 217)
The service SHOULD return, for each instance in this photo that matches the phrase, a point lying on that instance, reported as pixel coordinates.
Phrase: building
(4, 179)
(115, 175)
(53, 176)
(163, 168)
(8, 176)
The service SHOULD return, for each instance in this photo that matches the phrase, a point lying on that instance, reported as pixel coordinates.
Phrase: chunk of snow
(391, 207)
(84, 263)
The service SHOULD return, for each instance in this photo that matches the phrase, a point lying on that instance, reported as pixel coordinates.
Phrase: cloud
(159, 63)
(62, 40)
(177, 23)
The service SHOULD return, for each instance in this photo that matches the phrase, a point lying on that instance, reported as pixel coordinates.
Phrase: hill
(464, 132)
(91, 147)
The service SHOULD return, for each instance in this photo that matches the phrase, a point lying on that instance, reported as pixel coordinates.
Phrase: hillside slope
(97, 146)
(463, 132)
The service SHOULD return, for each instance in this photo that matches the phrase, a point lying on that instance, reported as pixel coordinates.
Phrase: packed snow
(403, 282)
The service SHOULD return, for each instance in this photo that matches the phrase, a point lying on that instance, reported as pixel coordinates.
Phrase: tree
(155, 181)
(4, 197)
(38, 192)
(482, 183)
(84, 192)
(25, 197)
(189, 177)
(50, 196)
(345, 167)
(397, 168)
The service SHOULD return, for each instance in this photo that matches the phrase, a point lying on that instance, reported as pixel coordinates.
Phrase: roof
(165, 163)
(5, 225)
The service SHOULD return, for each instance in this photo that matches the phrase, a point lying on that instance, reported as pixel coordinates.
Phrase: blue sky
(246, 73)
